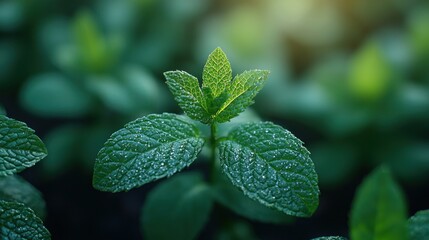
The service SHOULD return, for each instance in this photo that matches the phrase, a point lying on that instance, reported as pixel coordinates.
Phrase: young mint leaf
(418, 225)
(20, 148)
(270, 165)
(217, 73)
(232, 198)
(19, 222)
(241, 92)
(147, 149)
(378, 210)
(15, 188)
(177, 209)
(187, 93)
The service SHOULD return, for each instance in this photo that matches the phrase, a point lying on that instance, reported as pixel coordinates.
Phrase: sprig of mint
(263, 160)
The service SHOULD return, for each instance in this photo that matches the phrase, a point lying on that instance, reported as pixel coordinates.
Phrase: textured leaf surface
(15, 188)
(20, 148)
(270, 165)
(378, 210)
(241, 92)
(187, 93)
(149, 148)
(217, 73)
(19, 222)
(231, 197)
(419, 225)
(177, 209)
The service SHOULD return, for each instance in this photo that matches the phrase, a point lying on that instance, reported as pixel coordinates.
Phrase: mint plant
(21, 205)
(264, 161)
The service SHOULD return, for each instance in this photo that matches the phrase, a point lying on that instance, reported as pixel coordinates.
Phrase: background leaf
(19, 222)
(15, 188)
(53, 95)
(177, 208)
(241, 92)
(419, 225)
(187, 93)
(20, 148)
(270, 165)
(379, 209)
(147, 149)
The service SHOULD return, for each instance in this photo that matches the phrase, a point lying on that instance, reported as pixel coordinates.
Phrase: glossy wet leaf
(240, 93)
(20, 148)
(418, 225)
(147, 149)
(270, 165)
(177, 208)
(15, 188)
(19, 222)
(232, 198)
(187, 93)
(379, 209)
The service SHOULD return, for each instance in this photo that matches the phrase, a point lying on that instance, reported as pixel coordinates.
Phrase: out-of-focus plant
(263, 160)
(379, 211)
(21, 205)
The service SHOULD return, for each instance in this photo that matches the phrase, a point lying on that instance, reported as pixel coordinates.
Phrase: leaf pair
(265, 161)
(220, 98)
(20, 148)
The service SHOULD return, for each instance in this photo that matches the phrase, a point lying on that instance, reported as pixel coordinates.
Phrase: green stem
(213, 165)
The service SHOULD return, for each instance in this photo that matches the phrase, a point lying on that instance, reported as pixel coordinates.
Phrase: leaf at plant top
(217, 73)
(270, 165)
(54, 95)
(19, 222)
(20, 148)
(330, 238)
(177, 208)
(418, 225)
(241, 92)
(187, 93)
(232, 198)
(15, 188)
(147, 149)
(379, 209)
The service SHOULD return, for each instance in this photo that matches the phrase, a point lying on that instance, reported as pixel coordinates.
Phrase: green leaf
(177, 208)
(19, 222)
(217, 73)
(15, 188)
(379, 209)
(20, 148)
(270, 165)
(241, 92)
(147, 149)
(187, 93)
(53, 95)
(232, 198)
(418, 225)
(330, 238)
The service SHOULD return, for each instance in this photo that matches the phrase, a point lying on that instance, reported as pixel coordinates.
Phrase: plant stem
(213, 165)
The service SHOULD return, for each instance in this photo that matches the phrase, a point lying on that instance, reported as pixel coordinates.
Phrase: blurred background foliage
(351, 78)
